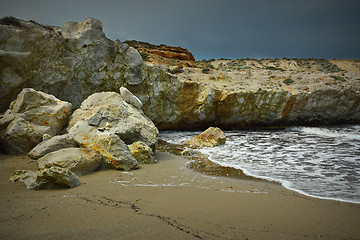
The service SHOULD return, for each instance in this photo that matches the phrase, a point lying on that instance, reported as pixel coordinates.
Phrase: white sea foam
(333, 132)
(318, 162)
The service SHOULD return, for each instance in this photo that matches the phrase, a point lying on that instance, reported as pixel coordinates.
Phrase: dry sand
(167, 201)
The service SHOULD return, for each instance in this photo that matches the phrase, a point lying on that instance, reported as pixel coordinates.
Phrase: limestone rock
(276, 108)
(142, 153)
(115, 152)
(51, 145)
(70, 62)
(175, 104)
(130, 98)
(49, 178)
(211, 137)
(33, 114)
(108, 111)
(80, 161)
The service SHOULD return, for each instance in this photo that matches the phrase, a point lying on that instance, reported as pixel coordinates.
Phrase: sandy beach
(167, 201)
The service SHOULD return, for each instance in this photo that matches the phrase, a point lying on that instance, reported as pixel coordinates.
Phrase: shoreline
(165, 200)
(201, 162)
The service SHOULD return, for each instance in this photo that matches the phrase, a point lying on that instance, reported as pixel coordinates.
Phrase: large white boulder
(110, 112)
(80, 161)
(29, 117)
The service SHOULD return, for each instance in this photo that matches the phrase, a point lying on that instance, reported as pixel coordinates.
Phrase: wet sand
(167, 201)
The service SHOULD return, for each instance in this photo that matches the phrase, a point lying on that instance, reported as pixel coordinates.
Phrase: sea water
(322, 162)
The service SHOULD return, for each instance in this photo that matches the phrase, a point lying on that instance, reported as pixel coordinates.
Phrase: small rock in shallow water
(211, 137)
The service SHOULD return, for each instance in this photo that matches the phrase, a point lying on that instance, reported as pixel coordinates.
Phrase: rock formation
(211, 137)
(98, 126)
(29, 117)
(76, 60)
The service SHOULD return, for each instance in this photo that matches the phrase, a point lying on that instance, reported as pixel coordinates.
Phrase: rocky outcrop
(30, 116)
(51, 145)
(80, 161)
(163, 54)
(71, 62)
(54, 177)
(142, 153)
(211, 137)
(77, 60)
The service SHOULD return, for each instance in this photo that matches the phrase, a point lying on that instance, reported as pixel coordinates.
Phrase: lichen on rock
(142, 153)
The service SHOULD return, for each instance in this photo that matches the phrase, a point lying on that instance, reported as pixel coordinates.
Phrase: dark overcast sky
(215, 29)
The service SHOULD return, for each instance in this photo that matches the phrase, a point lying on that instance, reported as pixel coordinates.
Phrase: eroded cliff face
(282, 108)
(76, 60)
(71, 62)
